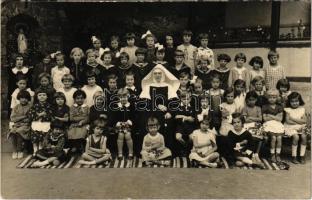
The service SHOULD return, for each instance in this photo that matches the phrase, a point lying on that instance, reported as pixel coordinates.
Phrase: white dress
(202, 139)
(90, 91)
(68, 95)
(14, 100)
(296, 113)
(226, 124)
(57, 74)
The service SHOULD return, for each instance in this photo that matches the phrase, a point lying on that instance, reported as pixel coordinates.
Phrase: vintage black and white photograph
(155, 99)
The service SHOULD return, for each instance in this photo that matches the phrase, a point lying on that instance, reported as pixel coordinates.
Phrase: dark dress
(177, 73)
(77, 70)
(39, 69)
(50, 92)
(61, 112)
(120, 73)
(205, 77)
(224, 77)
(235, 138)
(169, 55)
(140, 71)
(150, 55)
(100, 73)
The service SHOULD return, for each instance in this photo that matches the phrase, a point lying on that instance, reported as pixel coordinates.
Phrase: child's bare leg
(40, 145)
(165, 154)
(273, 145)
(245, 160)
(87, 157)
(41, 157)
(120, 142)
(294, 147)
(144, 155)
(102, 159)
(45, 162)
(209, 164)
(303, 147)
(278, 148)
(35, 147)
(13, 139)
(213, 156)
(129, 143)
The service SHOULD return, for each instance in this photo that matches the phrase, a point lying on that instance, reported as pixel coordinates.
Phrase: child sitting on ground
(96, 151)
(154, 150)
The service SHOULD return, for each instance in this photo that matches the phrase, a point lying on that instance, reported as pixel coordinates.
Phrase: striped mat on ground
(178, 162)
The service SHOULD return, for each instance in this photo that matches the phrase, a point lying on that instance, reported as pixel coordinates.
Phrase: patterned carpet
(178, 162)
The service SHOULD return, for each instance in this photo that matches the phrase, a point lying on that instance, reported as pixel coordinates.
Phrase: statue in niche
(21, 42)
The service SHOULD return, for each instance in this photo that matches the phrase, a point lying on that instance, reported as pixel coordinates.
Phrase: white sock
(302, 149)
(278, 150)
(294, 150)
(272, 151)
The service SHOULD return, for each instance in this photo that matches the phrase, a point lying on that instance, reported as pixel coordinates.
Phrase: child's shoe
(130, 156)
(278, 158)
(14, 155)
(119, 157)
(20, 155)
(272, 158)
(294, 160)
(302, 160)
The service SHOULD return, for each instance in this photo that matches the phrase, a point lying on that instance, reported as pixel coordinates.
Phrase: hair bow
(94, 38)
(148, 32)
(117, 54)
(159, 46)
(54, 54)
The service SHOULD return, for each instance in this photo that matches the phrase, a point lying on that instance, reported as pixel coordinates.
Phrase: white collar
(82, 106)
(157, 134)
(131, 88)
(188, 105)
(120, 105)
(238, 133)
(24, 70)
(140, 65)
(226, 70)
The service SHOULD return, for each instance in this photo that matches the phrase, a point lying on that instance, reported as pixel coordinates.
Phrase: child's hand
(238, 147)
(129, 122)
(162, 108)
(80, 123)
(118, 125)
(168, 115)
(179, 137)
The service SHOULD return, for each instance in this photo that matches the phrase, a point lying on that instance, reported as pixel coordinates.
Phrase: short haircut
(187, 32)
(21, 76)
(76, 50)
(89, 51)
(224, 56)
(227, 91)
(238, 115)
(241, 56)
(40, 90)
(107, 53)
(141, 51)
(68, 77)
(217, 76)
(272, 92)
(152, 120)
(57, 124)
(59, 95)
(59, 55)
(112, 77)
(123, 92)
(23, 94)
(18, 55)
(78, 93)
(130, 36)
(178, 53)
(251, 94)
(240, 82)
(184, 74)
(101, 122)
(273, 53)
(129, 73)
(91, 74)
(294, 95)
(185, 94)
(203, 36)
(124, 55)
(283, 83)
(257, 79)
(115, 37)
(256, 59)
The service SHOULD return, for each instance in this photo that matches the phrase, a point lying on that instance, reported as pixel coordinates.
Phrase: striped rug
(178, 162)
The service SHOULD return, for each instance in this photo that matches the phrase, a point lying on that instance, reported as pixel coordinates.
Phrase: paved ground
(153, 183)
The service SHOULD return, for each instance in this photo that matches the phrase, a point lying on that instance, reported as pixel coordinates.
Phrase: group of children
(160, 100)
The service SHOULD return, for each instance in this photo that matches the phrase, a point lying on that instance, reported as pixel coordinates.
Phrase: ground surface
(153, 183)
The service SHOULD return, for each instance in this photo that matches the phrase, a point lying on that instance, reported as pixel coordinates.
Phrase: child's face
(47, 60)
(44, 81)
(204, 42)
(114, 44)
(204, 126)
(240, 62)
(123, 99)
(157, 76)
(129, 80)
(259, 86)
(60, 61)
(187, 39)
(112, 84)
(204, 103)
(283, 89)
(99, 100)
(97, 44)
(256, 66)
(204, 65)
(184, 80)
(223, 63)
(107, 59)
(186, 100)
(42, 97)
(23, 101)
(124, 61)
(77, 56)
(230, 98)
(140, 58)
(179, 59)
(91, 81)
(237, 124)
(130, 42)
(19, 61)
(215, 83)
(169, 40)
(98, 130)
(272, 99)
(153, 128)
(294, 103)
(239, 88)
(79, 100)
(21, 84)
(160, 56)
(67, 83)
(251, 102)
(57, 131)
(150, 42)
(91, 57)
(198, 88)
(273, 59)
(59, 101)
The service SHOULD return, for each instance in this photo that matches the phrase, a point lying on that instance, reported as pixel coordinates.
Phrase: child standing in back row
(188, 49)
(274, 71)
(239, 71)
